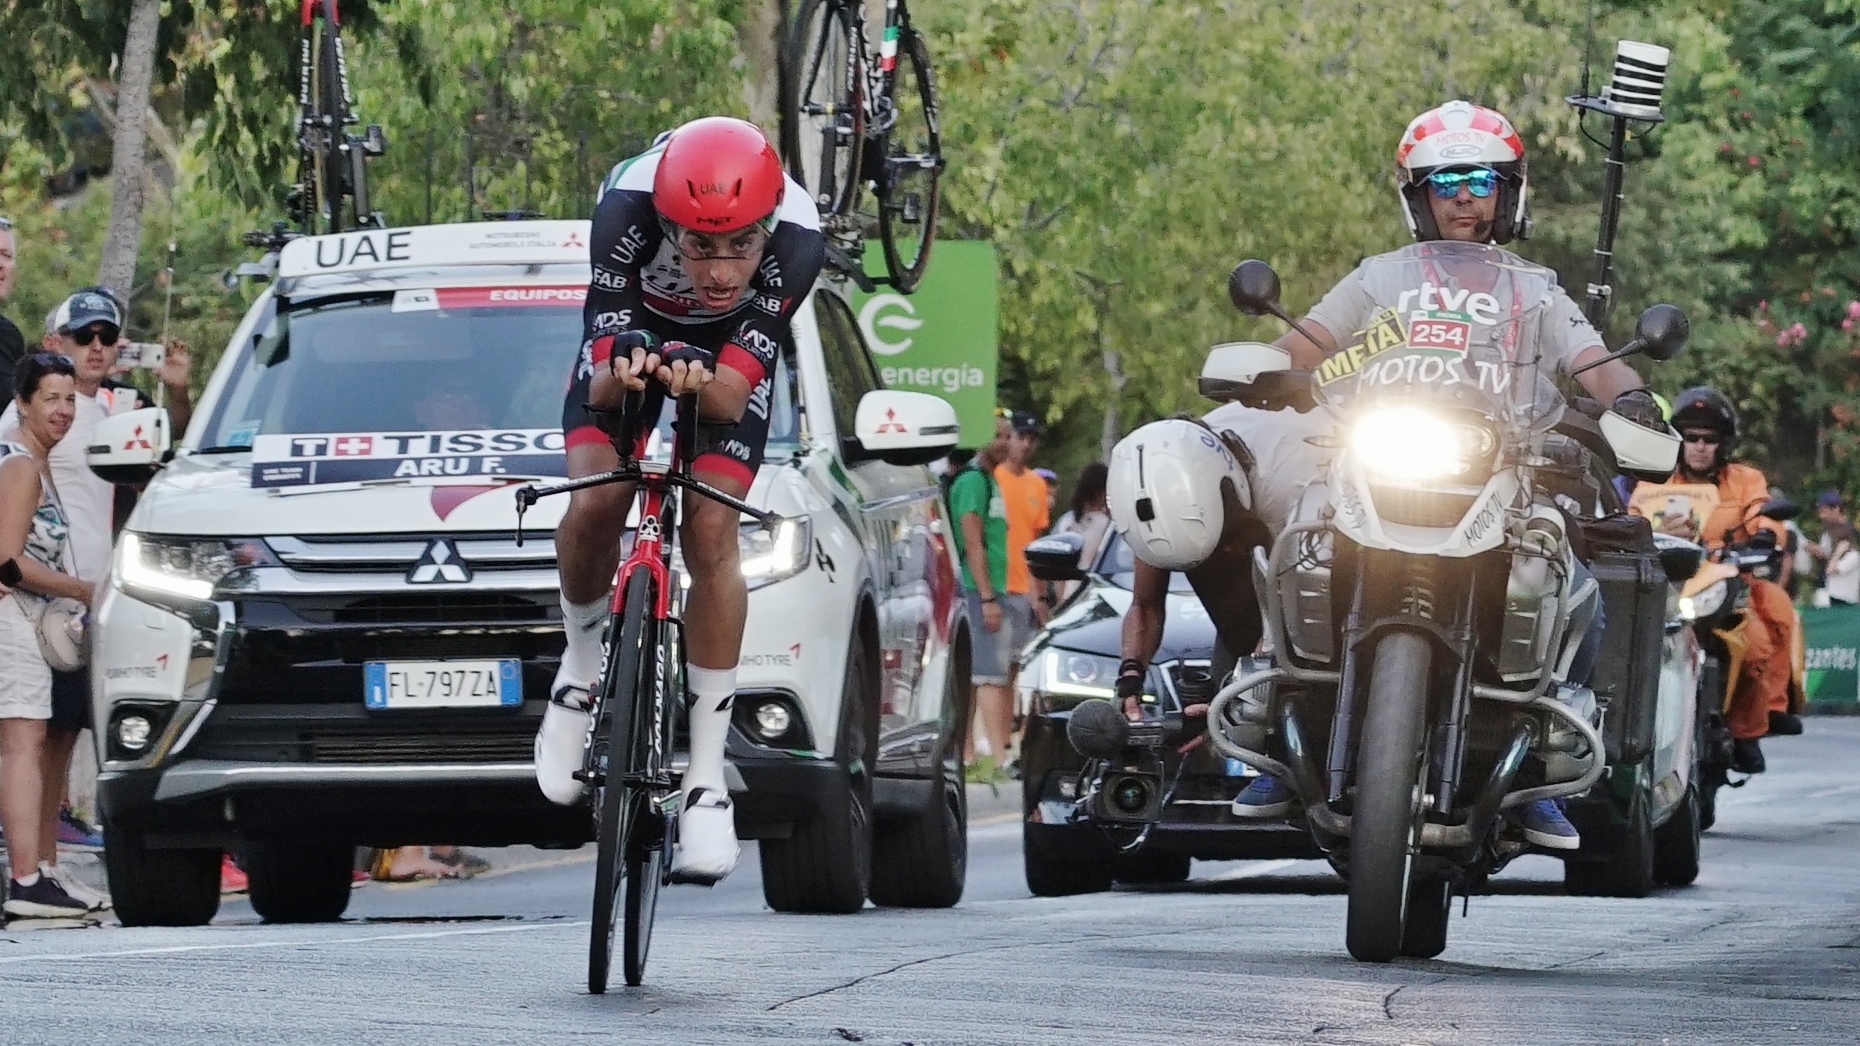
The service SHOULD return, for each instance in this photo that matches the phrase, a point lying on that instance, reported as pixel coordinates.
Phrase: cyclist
(1460, 174)
(1708, 500)
(702, 250)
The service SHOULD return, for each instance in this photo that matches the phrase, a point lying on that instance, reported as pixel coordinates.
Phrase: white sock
(28, 880)
(581, 660)
(712, 691)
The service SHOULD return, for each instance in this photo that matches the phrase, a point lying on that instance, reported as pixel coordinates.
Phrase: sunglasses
(6, 224)
(1707, 438)
(1447, 184)
(743, 245)
(84, 337)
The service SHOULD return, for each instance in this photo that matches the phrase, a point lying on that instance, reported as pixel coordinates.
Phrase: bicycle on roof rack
(331, 192)
(849, 118)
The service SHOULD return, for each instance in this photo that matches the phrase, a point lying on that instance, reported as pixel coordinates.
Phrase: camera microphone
(1098, 730)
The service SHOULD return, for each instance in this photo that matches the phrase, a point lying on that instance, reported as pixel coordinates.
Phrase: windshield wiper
(224, 450)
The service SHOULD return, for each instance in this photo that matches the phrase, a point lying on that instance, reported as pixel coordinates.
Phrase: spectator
(12, 342)
(1025, 495)
(1838, 550)
(1051, 479)
(982, 539)
(1089, 516)
(87, 329)
(34, 538)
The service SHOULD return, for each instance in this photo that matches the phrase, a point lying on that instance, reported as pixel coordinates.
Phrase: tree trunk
(1108, 438)
(760, 39)
(128, 157)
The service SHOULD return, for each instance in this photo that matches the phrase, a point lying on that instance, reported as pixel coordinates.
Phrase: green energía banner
(1831, 637)
(941, 339)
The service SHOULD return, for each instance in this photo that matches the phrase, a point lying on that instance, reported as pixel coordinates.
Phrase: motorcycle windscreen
(1452, 325)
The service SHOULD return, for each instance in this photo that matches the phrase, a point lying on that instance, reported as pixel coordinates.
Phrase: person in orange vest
(1712, 500)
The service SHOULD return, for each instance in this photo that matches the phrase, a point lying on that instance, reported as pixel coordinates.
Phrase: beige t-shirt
(88, 500)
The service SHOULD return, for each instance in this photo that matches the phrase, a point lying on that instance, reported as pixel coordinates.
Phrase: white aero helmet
(1171, 486)
(1460, 134)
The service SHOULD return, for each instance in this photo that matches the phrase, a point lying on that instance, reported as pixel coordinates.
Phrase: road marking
(1253, 871)
(325, 942)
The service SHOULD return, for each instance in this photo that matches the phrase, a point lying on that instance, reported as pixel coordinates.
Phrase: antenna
(1632, 96)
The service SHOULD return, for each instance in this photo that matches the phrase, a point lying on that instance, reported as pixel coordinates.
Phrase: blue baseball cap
(1829, 498)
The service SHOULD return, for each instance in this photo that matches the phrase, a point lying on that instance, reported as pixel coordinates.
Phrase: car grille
(446, 608)
(374, 553)
(511, 746)
(347, 734)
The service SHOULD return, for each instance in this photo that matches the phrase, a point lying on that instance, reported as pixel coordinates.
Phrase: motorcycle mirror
(1680, 561)
(1254, 288)
(1780, 509)
(1662, 332)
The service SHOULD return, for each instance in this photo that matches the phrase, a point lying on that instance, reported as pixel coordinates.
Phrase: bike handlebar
(640, 472)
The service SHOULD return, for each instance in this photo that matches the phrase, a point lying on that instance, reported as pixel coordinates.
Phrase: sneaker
(232, 877)
(75, 835)
(1747, 756)
(1544, 825)
(561, 742)
(1266, 796)
(1785, 724)
(44, 899)
(706, 850)
(95, 900)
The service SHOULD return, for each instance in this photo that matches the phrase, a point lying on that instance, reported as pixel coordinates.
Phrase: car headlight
(1416, 444)
(1070, 674)
(769, 556)
(1705, 602)
(188, 568)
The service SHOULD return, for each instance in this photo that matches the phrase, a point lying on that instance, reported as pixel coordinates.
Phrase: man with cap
(88, 328)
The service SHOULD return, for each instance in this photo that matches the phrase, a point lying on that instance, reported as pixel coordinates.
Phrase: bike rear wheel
(628, 674)
(913, 165)
(823, 106)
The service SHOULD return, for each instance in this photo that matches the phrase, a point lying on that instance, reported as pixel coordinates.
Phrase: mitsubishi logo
(440, 563)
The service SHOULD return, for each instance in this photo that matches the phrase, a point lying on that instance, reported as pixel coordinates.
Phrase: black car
(1078, 830)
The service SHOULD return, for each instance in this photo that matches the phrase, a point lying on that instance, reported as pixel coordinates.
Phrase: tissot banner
(942, 338)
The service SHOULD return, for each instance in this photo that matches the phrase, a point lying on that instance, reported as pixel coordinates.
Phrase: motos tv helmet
(1461, 135)
(718, 174)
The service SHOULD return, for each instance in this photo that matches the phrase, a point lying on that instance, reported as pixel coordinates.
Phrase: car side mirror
(1233, 365)
(901, 428)
(1055, 557)
(1641, 452)
(1253, 287)
(129, 448)
(1662, 332)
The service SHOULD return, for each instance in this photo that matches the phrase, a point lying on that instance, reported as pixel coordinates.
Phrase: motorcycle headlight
(1705, 602)
(188, 568)
(1410, 443)
(769, 556)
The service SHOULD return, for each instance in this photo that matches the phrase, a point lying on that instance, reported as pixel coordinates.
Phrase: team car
(321, 629)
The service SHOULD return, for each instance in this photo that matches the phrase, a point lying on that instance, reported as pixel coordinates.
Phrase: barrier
(1831, 637)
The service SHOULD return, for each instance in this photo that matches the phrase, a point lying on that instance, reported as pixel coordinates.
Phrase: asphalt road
(1764, 949)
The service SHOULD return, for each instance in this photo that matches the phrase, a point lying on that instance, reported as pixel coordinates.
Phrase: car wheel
(826, 864)
(1628, 872)
(159, 887)
(1676, 844)
(1051, 876)
(1151, 867)
(923, 860)
(297, 883)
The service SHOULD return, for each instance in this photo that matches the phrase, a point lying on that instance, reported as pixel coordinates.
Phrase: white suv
(321, 632)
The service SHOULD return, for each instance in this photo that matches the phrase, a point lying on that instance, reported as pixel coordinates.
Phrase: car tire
(1050, 876)
(1676, 844)
(159, 887)
(923, 861)
(1628, 872)
(297, 883)
(1151, 867)
(825, 866)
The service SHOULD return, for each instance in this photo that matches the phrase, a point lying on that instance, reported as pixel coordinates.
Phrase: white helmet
(1455, 135)
(1169, 490)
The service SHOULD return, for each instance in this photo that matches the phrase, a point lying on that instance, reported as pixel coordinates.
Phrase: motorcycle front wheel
(1385, 824)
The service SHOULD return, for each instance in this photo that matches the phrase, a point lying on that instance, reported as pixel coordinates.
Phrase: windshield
(1456, 324)
(434, 360)
(1118, 564)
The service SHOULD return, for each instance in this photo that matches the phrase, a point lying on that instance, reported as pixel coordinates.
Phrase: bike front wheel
(913, 165)
(628, 674)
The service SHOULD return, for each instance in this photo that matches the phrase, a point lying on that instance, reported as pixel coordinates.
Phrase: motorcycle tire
(1385, 825)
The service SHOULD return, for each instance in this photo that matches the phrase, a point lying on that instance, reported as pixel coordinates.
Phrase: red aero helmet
(717, 174)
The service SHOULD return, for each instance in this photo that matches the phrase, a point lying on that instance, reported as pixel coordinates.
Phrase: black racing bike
(627, 762)
(331, 192)
(850, 118)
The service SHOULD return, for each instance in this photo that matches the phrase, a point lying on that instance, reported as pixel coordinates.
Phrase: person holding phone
(34, 534)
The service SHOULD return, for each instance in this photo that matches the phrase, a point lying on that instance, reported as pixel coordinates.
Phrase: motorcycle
(1425, 606)
(1715, 602)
